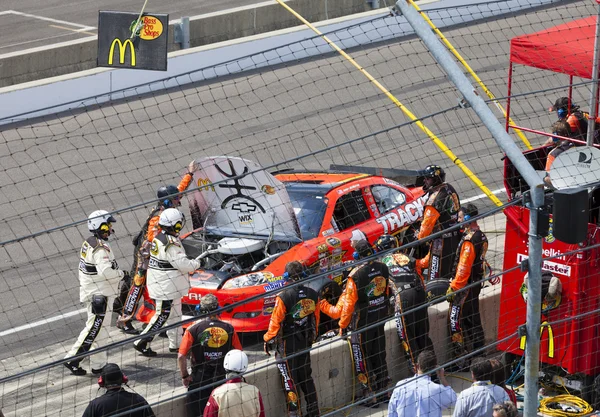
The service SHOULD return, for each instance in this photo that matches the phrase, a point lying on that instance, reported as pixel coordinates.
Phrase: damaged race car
(248, 224)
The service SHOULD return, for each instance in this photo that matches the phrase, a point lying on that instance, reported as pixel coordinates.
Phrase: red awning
(567, 48)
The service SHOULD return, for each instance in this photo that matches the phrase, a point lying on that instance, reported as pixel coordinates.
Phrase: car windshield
(310, 210)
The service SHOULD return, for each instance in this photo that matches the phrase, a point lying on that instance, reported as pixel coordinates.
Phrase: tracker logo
(454, 313)
(286, 377)
(402, 216)
(435, 267)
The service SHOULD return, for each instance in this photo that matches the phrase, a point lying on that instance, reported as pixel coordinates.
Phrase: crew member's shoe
(146, 351)
(127, 327)
(75, 369)
(172, 350)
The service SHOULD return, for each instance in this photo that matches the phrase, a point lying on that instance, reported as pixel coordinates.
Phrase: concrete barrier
(68, 57)
(332, 368)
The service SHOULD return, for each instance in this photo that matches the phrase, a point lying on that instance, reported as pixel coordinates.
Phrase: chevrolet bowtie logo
(243, 207)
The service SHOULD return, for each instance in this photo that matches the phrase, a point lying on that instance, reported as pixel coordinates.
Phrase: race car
(248, 224)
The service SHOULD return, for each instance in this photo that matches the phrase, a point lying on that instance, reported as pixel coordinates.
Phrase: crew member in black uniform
(364, 302)
(208, 340)
(408, 293)
(117, 400)
(293, 327)
(463, 314)
(440, 213)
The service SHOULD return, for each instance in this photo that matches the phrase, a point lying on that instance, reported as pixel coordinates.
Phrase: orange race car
(249, 224)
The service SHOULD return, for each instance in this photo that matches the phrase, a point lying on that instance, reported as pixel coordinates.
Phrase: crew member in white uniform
(167, 280)
(99, 277)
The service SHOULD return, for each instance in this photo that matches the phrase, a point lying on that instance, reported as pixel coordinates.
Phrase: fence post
(506, 143)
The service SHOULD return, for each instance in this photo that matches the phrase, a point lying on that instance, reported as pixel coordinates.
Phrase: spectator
(505, 409)
(419, 396)
(116, 399)
(479, 399)
(569, 112)
(499, 378)
(208, 340)
(235, 397)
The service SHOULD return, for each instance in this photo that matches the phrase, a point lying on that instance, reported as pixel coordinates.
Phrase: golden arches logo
(122, 49)
(550, 339)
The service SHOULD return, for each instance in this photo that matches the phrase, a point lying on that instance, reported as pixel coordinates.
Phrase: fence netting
(304, 130)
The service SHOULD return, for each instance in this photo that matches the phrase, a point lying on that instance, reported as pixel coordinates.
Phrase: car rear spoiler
(407, 177)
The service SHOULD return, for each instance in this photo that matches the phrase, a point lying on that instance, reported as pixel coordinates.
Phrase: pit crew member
(207, 340)
(440, 213)
(364, 302)
(409, 293)
(235, 397)
(293, 327)
(99, 276)
(168, 280)
(463, 314)
(130, 295)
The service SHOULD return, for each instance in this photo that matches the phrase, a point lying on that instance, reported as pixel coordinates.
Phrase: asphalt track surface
(31, 23)
(288, 111)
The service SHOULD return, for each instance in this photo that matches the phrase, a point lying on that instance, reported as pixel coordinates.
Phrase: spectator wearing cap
(206, 341)
(116, 400)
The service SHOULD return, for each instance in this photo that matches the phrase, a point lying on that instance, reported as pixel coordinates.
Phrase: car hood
(218, 279)
(237, 198)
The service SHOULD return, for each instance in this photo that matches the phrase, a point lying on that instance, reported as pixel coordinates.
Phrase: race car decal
(274, 286)
(334, 242)
(402, 216)
(214, 337)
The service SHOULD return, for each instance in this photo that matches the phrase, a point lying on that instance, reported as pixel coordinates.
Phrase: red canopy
(567, 48)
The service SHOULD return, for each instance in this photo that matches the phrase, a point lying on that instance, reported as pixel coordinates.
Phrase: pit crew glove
(268, 346)
(450, 295)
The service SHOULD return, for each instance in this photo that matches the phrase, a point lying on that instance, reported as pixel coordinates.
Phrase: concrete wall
(68, 57)
(332, 369)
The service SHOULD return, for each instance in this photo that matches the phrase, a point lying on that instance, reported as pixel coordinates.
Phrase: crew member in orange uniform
(463, 313)
(364, 302)
(440, 213)
(293, 327)
(130, 295)
(208, 340)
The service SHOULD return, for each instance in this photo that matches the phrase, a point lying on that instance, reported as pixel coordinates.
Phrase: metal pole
(185, 32)
(505, 142)
(594, 93)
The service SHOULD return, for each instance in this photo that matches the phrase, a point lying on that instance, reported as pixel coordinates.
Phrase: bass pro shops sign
(124, 44)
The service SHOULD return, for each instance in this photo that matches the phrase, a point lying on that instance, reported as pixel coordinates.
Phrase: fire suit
(294, 323)
(208, 340)
(463, 314)
(409, 293)
(235, 398)
(168, 281)
(553, 154)
(364, 302)
(99, 277)
(440, 213)
(130, 295)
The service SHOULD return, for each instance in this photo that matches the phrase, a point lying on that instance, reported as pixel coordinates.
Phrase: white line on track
(41, 322)
(480, 196)
(48, 19)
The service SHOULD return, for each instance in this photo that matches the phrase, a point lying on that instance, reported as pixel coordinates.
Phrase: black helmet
(436, 172)
(165, 195)
(386, 242)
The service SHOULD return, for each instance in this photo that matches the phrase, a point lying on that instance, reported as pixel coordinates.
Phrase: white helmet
(235, 361)
(171, 220)
(97, 219)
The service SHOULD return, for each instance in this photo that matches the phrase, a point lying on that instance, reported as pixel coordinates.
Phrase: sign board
(146, 50)
(576, 167)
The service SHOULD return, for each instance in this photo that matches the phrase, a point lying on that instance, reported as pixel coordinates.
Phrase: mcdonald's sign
(118, 47)
(544, 325)
(122, 49)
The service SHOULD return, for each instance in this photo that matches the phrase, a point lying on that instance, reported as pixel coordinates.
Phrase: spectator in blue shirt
(419, 396)
(479, 399)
